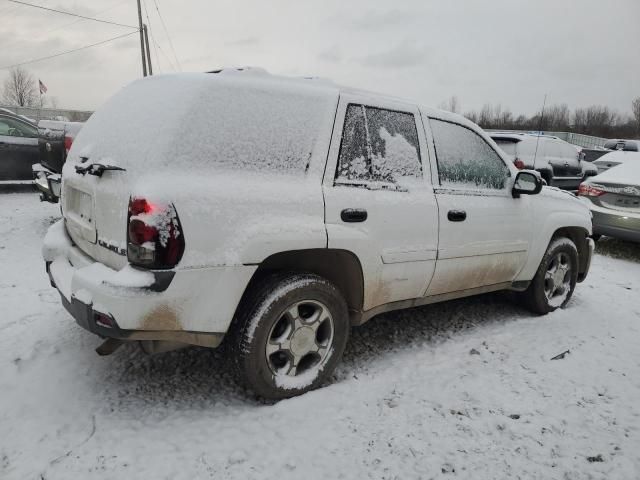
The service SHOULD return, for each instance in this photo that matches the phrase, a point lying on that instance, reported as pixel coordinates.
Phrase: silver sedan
(614, 200)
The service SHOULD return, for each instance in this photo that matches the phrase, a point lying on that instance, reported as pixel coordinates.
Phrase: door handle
(353, 215)
(457, 215)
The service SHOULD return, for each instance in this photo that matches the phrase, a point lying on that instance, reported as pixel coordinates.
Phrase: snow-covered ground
(465, 389)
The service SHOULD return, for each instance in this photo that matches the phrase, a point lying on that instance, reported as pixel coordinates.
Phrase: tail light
(68, 141)
(519, 164)
(587, 190)
(154, 234)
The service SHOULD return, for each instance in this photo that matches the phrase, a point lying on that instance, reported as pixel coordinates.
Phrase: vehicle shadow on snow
(612, 247)
(429, 325)
(200, 377)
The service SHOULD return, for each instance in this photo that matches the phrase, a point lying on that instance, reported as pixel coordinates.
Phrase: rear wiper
(96, 169)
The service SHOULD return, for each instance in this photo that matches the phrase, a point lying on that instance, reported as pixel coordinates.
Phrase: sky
(508, 52)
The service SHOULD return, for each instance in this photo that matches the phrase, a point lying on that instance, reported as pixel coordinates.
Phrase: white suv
(277, 213)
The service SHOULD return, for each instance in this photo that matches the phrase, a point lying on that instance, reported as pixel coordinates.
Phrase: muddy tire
(555, 280)
(289, 334)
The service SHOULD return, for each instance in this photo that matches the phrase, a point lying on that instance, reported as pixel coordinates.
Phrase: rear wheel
(555, 280)
(289, 335)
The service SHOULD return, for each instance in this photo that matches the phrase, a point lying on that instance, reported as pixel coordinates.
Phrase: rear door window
(465, 160)
(378, 145)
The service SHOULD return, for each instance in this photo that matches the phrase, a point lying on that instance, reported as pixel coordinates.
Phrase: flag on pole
(43, 87)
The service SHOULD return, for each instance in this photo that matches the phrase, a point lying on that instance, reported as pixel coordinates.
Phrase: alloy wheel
(301, 339)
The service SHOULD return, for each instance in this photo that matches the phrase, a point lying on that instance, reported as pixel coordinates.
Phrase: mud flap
(109, 346)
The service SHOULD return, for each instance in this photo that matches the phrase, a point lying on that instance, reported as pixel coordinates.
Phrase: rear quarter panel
(240, 218)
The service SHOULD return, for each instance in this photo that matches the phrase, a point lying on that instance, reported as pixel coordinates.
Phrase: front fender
(552, 223)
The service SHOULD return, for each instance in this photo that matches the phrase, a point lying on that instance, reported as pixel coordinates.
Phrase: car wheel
(289, 335)
(555, 280)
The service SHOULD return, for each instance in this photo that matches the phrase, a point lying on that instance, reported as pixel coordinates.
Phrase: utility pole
(146, 43)
(144, 63)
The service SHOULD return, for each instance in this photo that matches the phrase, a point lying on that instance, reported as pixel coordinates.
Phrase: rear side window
(508, 146)
(465, 160)
(378, 145)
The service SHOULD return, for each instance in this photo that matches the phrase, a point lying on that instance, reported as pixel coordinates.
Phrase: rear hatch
(169, 134)
(130, 131)
(564, 158)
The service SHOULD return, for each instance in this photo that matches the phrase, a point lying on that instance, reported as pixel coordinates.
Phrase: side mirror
(527, 183)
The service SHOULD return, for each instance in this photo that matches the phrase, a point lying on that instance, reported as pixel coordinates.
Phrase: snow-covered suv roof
(331, 88)
(233, 118)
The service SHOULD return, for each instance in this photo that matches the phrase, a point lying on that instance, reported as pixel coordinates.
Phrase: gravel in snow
(465, 389)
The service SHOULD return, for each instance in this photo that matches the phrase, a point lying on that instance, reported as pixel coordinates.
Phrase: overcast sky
(511, 52)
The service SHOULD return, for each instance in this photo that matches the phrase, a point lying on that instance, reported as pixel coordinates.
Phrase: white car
(613, 159)
(276, 213)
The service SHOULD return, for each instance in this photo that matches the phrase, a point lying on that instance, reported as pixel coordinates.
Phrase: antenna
(544, 102)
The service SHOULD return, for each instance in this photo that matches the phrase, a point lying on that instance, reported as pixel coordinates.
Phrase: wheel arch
(340, 267)
(579, 236)
(572, 225)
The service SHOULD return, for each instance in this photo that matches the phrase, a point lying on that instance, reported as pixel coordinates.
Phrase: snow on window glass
(465, 159)
(353, 162)
(378, 145)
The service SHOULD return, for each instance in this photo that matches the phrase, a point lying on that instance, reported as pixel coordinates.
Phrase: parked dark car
(621, 144)
(54, 141)
(18, 146)
(558, 162)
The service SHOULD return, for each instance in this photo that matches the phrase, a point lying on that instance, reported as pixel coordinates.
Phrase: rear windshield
(508, 146)
(207, 121)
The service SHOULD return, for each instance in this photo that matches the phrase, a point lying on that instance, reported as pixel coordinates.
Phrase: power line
(71, 14)
(156, 45)
(68, 51)
(150, 32)
(167, 34)
(65, 24)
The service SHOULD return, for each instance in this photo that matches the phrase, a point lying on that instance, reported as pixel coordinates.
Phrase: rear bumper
(192, 306)
(622, 225)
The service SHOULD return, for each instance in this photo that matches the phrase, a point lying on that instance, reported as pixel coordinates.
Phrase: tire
(289, 334)
(552, 286)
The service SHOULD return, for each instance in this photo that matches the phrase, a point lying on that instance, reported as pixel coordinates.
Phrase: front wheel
(555, 280)
(290, 334)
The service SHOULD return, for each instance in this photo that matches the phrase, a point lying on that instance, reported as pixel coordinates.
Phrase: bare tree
(597, 120)
(451, 105)
(20, 89)
(635, 108)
